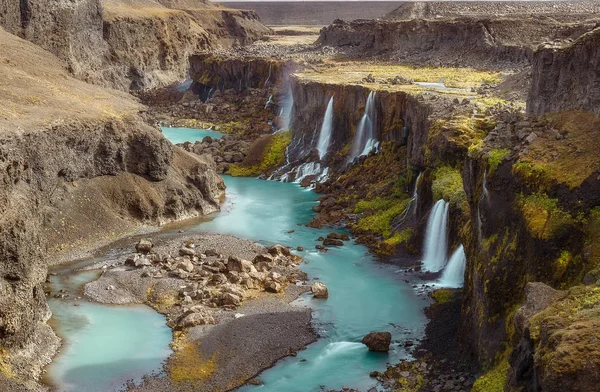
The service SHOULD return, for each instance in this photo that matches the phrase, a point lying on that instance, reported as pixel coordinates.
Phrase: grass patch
(536, 175)
(561, 264)
(448, 185)
(496, 157)
(443, 296)
(494, 380)
(271, 157)
(380, 219)
(187, 364)
(544, 218)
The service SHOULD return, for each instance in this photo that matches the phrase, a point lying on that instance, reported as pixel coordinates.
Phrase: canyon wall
(80, 167)
(489, 43)
(128, 44)
(565, 77)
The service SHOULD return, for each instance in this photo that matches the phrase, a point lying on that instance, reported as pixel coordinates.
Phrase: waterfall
(454, 273)
(287, 104)
(410, 207)
(269, 101)
(269, 76)
(483, 198)
(326, 130)
(436, 238)
(364, 138)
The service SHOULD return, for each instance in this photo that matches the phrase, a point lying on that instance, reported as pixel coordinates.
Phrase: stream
(106, 345)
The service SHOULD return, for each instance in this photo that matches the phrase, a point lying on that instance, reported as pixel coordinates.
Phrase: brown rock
(378, 341)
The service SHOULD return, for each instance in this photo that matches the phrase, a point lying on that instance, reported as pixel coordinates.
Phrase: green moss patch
(494, 380)
(545, 219)
(448, 185)
(267, 154)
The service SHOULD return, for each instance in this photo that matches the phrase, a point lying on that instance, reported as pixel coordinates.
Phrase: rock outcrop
(378, 341)
(564, 77)
(80, 167)
(471, 42)
(128, 44)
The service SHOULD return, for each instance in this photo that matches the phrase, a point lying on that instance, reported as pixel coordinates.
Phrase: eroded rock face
(564, 77)
(475, 42)
(77, 168)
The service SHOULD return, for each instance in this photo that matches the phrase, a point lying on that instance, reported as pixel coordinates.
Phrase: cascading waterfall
(269, 101)
(364, 139)
(436, 238)
(483, 198)
(410, 207)
(326, 130)
(454, 273)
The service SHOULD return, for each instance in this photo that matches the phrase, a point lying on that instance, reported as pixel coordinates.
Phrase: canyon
(456, 142)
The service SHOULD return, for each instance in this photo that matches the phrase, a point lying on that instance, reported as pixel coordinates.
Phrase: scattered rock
(144, 246)
(273, 287)
(378, 341)
(319, 290)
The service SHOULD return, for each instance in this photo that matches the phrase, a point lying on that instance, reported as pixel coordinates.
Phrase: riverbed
(106, 345)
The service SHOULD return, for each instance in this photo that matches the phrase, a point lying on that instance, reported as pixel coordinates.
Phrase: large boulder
(239, 265)
(319, 290)
(144, 246)
(378, 341)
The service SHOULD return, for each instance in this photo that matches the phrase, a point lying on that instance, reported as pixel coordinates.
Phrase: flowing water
(105, 345)
(326, 131)
(454, 273)
(365, 139)
(182, 135)
(364, 295)
(435, 250)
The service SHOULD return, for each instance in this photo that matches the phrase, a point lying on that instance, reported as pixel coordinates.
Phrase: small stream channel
(106, 345)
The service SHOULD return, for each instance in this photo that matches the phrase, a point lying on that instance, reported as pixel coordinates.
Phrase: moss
(448, 185)
(443, 296)
(399, 238)
(545, 220)
(271, 158)
(592, 236)
(233, 127)
(187, 364)
(495, 158)
(561, 264)
(380, 220)
(494, 380)
(536, 175)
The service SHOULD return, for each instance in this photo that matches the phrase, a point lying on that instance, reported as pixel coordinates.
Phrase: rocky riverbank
(231, 295)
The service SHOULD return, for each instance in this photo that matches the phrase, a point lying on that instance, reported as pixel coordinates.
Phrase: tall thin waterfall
(454, 273)
(364, 139)
(326, 130)
(286, 104)
(410, 207)
(436, 238)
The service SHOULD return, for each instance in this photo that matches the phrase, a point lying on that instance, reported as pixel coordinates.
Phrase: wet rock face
(564, 77)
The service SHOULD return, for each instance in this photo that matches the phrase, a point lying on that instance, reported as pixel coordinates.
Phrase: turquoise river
(106, 345)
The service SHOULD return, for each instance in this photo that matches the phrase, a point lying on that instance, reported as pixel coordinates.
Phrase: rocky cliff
(564, 77)
(128, 44)
(473, 42)
(80, 167)
(437, 9)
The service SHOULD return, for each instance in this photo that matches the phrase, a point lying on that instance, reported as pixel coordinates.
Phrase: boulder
(279, 250)
(319, 290)
(192, 319)
(239, 265)
(378, 341)
(272, 287)
(186, 265)
(144, 246)
(266, 258)
(333, 242)
(185, 251)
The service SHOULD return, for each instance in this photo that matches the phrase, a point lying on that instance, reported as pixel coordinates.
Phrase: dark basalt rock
(378, 341)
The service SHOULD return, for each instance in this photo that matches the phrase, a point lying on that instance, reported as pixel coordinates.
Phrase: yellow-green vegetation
(465, 132)
(233, 127)
(5, 367)
(413, 383)
(187, 364)
(443, 296)
(572, 160)
(536, 175)
(382, 212)
(402, 237)
(272, 156)
(561, 264)
(496, 157)
(448, 185)
(494, 380)
(485, 103)
(354, 72)
(544, 218)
